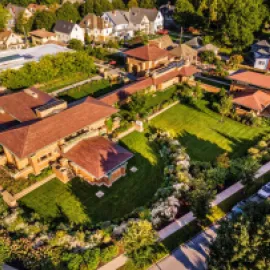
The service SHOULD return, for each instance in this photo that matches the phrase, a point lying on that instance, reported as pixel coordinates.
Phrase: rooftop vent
(31, 93)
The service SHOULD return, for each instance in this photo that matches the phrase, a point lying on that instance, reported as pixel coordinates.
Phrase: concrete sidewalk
(115, 263)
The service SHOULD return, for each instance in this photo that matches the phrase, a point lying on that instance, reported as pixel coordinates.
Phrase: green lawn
(62, 82)
(77, 200)
(95, 89)
(202, 133)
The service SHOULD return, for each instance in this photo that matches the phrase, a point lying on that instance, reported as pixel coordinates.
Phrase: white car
(264, 192)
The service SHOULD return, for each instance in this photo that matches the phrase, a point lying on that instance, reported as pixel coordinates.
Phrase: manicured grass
(202, 133)
(63, 82)
(213, 83)
(218, 212)
(95, 89)
(77, 199)
(160, 96)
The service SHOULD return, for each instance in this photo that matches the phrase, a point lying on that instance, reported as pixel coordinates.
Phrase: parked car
(238, 208)
(264, 192)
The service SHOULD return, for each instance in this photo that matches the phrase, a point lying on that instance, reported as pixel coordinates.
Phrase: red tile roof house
(248, 80)
(68, 140)
(145, 58)
(257, 102)
(158, 81)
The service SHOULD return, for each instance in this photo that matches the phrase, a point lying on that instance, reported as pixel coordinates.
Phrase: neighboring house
(186, 53)
(14, 12)
(70, 141)
(248, 80)
(145, 58)
(10, 40)
(261, 53)
(257, 102)
(41, 36)
(145, 20)
(209, 47)
(122, 28)
(167, 12)
(163, 42)
(195, 43)
(96, 27)
(65, 31)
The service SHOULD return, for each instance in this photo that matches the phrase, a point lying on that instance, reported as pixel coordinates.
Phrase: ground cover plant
(77, 200)
(204, 135)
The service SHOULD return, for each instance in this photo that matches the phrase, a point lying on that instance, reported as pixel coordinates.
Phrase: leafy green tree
(23, 24)
(76, 44)
(236, 60)
(137, 106)
(244, 169)
(4, 15)
(243, 242)
(68, 12)
(87, 7)
(5, 252)
(147, 3)
(216, 177)
(44, 19)
(240, 19)
(133, 3)
(200, 198)
(208, 57)
(118, 4)
(225, 106)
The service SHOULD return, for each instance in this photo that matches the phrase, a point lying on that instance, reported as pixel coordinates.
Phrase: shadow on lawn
(200, 149)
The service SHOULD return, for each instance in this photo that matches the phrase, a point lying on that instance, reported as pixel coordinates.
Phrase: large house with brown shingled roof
(68, 139)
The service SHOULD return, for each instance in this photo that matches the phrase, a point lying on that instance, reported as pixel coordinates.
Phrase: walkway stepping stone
(100, 194)
(134, 169)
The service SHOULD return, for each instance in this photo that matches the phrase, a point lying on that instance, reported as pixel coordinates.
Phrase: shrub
(108, 253)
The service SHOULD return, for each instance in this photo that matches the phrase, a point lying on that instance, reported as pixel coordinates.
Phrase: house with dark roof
(96, 27)
(143, 59)
(68, 139)
(65, 31)
(261, 54)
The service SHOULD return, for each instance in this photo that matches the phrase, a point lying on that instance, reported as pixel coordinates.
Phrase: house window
(261, 63)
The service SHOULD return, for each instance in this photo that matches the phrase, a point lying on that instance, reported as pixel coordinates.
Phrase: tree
(243, 242)
(147, 4)
(68, 12)
(44, 19)
(240, 19)
(23, 24)
(76, 44)
(225, 106)
(236, 60)
(184, 10)
(139, 235)
(133, 3)
(197, 92)
(5, 252)
(244, 169)
(118, 4)
(208, 57)
(4, 15)
(137, 106)
(216, 177)
(87, 7)
(200, 198)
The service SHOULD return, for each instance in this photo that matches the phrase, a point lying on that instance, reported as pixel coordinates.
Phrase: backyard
(202, 133)
(77, 200)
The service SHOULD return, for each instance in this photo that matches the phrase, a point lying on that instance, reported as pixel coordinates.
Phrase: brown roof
(184, 50)
(92, 21)
(5, 35)
(37, 7)
(42, 33)
(126, 91)
(188, 71)
(257, 101)
(252, 78)
(98, 156)
(27, 139)
(163, 42)
(166, 77)
(21, 105)
(147, 53)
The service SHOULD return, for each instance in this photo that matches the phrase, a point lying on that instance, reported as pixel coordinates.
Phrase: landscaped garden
(94, 88)
(78, 202)
(204, 135)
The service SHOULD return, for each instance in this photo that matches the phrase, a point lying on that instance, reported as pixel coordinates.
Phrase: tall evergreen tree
(147, 4)
(68, 12)
(133, 3)
(44, 19)
(118, 4)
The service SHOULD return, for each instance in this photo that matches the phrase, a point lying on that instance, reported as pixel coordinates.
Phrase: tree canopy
(147, 4)
(44, 19)
(4, 15)
(118, 4)
(68, 12)
(243, 242)
(133, 3)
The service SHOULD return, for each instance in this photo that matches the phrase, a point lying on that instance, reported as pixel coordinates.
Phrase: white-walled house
(261, 53)
(121, 27)
(65, 31)
(10, 40)
(96, 27)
